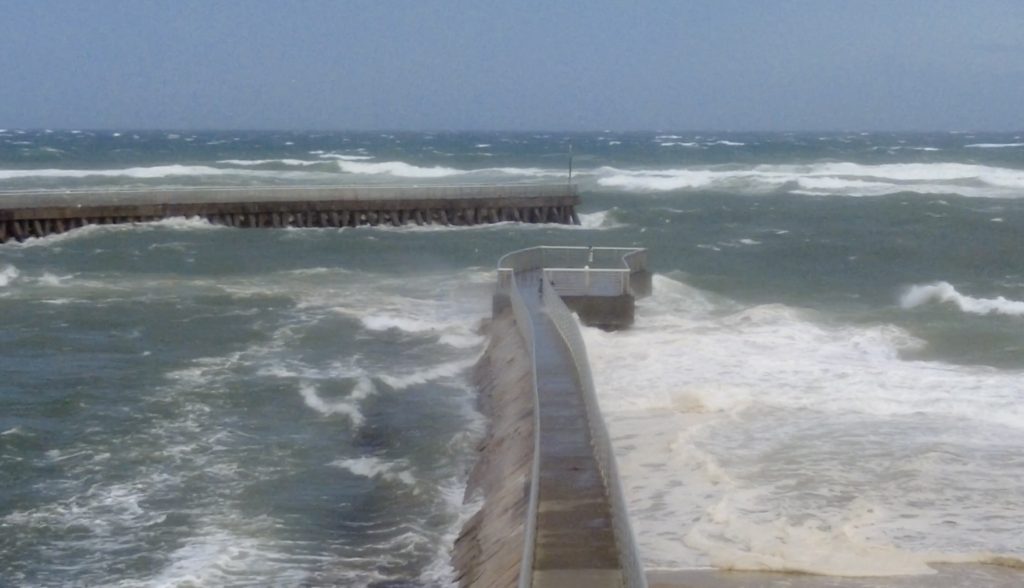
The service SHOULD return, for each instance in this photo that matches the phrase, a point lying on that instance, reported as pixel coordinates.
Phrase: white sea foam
(453, 333)
(398, 169)
(348, 406)
(255, 162)
(219, 557)
(826, 178)
(944, 292)
(383, 322)
(422, 376)
(993, 145)
(372, 467)
(8, 274)
(341, 156)
(601, 219)
(154, 172)
(178, 223)
(104, 509)
(48, 279)
(768, 438)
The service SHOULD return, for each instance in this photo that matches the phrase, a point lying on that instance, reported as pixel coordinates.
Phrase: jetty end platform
(38, 213)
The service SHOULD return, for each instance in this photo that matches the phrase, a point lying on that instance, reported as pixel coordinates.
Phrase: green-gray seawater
(826, 379)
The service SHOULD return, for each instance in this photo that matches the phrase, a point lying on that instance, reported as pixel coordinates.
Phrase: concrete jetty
(38, 213)
(554, 513)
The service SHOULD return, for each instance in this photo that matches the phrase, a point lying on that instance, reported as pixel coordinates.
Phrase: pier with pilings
(554, 513)
(39, 213)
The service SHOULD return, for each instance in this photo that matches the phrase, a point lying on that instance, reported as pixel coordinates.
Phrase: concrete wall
(37, 214)
(489, 549)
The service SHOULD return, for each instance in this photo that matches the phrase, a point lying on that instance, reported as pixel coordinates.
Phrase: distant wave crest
(944, 292)
(152, 172)
(994, 145)
(825, 179)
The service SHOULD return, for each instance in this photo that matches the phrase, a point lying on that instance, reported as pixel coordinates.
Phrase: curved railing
(614, 266)
(577, 271)
(525, 325)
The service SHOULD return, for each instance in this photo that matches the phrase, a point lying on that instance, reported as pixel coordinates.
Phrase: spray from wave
(8, 274)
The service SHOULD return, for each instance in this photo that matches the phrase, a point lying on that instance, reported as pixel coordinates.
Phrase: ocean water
(827, 378)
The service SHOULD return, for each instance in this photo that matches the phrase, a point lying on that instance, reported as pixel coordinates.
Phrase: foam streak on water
(263, 443)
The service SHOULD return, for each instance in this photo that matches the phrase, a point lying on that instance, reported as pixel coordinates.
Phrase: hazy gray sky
(513, 64)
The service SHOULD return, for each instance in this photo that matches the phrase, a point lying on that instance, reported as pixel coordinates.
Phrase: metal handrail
(525, 324)
(625, 538)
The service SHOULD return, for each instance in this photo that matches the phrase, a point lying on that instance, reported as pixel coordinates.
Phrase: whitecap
(398, 169)
(218, 557)
(826, 178)
(341, 156)
(601, 219)
(422, 376)
(373, 467)
(8, 274)
(255, 162)
(944, 292)
(153, 172)
(348, 406)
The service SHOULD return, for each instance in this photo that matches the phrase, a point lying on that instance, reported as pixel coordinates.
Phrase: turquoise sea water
(832, 358)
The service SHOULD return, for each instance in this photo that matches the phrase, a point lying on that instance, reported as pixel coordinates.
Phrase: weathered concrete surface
(489, 550)
(606, 312)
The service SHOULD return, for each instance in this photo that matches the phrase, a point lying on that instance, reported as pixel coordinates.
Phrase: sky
(726, 65)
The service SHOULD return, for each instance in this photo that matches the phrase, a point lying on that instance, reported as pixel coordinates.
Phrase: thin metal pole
(570, 163)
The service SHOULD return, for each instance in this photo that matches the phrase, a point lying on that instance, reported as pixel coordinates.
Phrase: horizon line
(83, 129)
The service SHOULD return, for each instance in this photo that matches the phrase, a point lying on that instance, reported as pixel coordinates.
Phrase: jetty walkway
(38, 213)
(575, 528)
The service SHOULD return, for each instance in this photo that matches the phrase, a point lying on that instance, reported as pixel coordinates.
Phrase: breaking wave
(348, 406)
(994, 145)
(8, 274)
(823, 179)
(763, 438)
(944, 292)
(372, 467)
(255, 162)
(153, 172)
